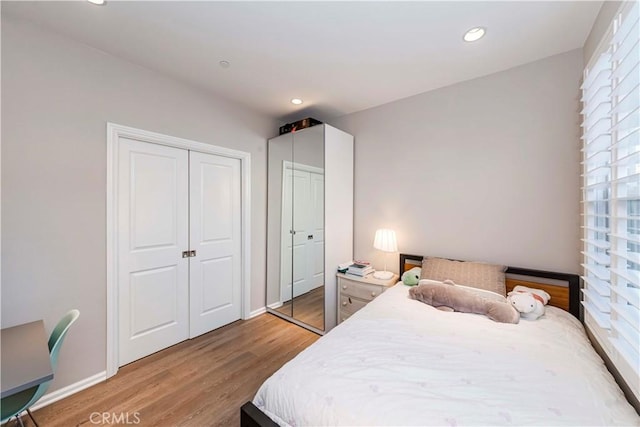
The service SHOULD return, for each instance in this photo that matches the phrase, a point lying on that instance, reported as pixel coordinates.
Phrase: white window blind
(611, 195)
(596, 165)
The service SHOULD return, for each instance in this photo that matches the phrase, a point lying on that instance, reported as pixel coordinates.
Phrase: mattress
(401, 362)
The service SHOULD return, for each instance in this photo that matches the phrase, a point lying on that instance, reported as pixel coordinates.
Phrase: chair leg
(32, 419)
(20, 423)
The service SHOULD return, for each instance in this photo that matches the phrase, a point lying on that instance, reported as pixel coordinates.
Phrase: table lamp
(385, 241)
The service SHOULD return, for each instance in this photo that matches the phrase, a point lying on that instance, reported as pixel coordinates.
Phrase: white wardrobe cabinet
(309, 223)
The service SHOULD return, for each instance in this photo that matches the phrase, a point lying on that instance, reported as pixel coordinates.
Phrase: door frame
(114, 133)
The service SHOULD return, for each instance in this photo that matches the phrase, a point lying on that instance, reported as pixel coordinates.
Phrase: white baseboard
(257, 312)
(67, 391)
(275, 305)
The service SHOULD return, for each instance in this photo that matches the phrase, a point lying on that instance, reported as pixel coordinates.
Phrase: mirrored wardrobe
(309, 223)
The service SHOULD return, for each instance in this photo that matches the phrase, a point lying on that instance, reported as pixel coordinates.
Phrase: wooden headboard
(565, 296)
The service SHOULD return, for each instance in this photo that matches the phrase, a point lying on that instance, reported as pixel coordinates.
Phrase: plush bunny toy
(529, 302)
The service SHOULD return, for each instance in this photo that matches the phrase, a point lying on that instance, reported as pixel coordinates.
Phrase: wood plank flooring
(200, 382)
(307, 308)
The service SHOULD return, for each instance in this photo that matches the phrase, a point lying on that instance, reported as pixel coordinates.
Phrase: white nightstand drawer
(361, 290)
(349, 305)
(355, 292)
(343, 316)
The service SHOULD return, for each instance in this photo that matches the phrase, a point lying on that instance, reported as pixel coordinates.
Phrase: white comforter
(401, 362)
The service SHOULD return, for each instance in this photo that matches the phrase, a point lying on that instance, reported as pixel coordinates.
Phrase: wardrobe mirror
(295, 229)
(280, 153)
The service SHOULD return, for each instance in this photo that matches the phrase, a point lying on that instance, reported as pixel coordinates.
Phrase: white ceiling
(340, 57)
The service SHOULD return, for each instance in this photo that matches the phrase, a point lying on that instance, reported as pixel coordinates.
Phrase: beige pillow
(474, 274)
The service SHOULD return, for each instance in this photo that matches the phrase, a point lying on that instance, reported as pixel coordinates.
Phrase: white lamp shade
(385, 240)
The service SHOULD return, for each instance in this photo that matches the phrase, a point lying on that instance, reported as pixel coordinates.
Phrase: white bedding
(401, 362)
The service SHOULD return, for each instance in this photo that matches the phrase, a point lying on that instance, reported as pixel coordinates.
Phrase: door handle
(188, 254)
(192, 253)
(310, 237)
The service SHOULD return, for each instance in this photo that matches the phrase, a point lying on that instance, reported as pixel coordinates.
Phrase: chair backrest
(58, 334)
(55, 343)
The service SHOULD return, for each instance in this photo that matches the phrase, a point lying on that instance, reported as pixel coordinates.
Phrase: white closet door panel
(286, 228)
(300, 279)
(152, 313)
(316, 247)
(217, 202)
(303, 254)
(295, 217)
(216, 297)
(317, 202)
(318, 264)
(153, 232)
(153, 188)
(286, 271)
(303, 236)
(215, 235)
(301, 210)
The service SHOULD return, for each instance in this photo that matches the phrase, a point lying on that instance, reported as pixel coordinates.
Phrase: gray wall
(57, 96)
(486, 169)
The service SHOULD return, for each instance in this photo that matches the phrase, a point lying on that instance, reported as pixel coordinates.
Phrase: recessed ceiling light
(98, 2)
(296, 101)
(224, 64)
(474, 34)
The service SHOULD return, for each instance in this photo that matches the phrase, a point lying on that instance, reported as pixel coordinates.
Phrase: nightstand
(356, 292)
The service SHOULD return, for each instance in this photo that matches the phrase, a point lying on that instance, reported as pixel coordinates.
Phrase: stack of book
(359, 269)
(342, 268)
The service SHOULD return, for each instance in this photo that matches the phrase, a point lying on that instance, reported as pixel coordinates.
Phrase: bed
(398, 361)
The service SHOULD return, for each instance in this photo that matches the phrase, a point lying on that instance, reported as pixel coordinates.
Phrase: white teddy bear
(529, 302)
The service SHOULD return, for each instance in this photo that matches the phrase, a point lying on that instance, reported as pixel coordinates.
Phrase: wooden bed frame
(565, 296)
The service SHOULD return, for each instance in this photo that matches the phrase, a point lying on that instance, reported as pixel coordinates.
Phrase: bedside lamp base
(383, 275)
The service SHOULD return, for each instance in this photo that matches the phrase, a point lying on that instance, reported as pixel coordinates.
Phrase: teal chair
(14, 405)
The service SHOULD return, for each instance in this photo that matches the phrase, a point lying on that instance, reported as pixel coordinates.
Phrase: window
(611, 194)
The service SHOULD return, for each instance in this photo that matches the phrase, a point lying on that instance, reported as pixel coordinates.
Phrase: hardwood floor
(307, 308)
(200, 382)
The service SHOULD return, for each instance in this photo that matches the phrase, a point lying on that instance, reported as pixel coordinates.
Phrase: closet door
(295, 213)
(215, 235)
(301, 218)
(171, 201)
(153, 223)
(286, 239)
